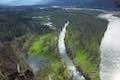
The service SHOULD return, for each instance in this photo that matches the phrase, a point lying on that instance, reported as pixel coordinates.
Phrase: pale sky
(23, 2)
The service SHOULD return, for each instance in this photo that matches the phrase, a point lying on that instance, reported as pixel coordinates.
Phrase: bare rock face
(10, 64)
(8, 59)
(27, 75)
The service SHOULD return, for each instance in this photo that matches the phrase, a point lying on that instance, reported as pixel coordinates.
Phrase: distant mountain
(117, 2)
(86, 3)
(103, 4)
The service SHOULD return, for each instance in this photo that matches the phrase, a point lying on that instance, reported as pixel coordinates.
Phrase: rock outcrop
(11, 67)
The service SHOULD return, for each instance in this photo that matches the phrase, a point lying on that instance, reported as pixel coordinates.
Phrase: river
(110, 49)
(64, 57)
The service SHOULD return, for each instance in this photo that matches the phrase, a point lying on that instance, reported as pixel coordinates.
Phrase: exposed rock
(27, 75)
(8, 59)
(10, 63)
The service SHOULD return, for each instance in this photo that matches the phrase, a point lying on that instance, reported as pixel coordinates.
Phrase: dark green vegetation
(45, 46)
(27, 30)
(83, 40)
(13, 24)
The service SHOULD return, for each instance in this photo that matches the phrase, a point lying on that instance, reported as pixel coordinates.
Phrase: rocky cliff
(12, 64)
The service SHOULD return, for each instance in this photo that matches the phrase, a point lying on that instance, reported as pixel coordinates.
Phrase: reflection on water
(110, 49)
(62, 49)
(37, 63)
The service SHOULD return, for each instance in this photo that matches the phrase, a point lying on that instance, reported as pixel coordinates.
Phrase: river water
(62, 49)
(110, 49)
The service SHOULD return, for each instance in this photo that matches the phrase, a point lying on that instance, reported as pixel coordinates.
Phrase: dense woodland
(13, 24)
(83, 41)
(33, 38)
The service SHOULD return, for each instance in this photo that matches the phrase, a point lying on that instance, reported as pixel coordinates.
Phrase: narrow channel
(62, 50)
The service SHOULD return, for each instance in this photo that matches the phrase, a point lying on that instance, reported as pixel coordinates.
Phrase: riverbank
(44, 58)
(110, 49)
(75, 74)
(83, 42)
(40, 41)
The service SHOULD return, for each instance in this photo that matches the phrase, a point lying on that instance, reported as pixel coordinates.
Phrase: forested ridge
(13, 24)
(36, 40)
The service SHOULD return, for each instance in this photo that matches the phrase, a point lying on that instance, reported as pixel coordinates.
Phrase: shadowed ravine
(62, 49)
(110, 49)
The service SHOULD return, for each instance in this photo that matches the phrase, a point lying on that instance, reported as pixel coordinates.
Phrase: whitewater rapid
(110, 49)
(62, 50)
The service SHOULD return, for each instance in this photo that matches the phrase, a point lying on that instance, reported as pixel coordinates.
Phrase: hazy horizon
(23, 2)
